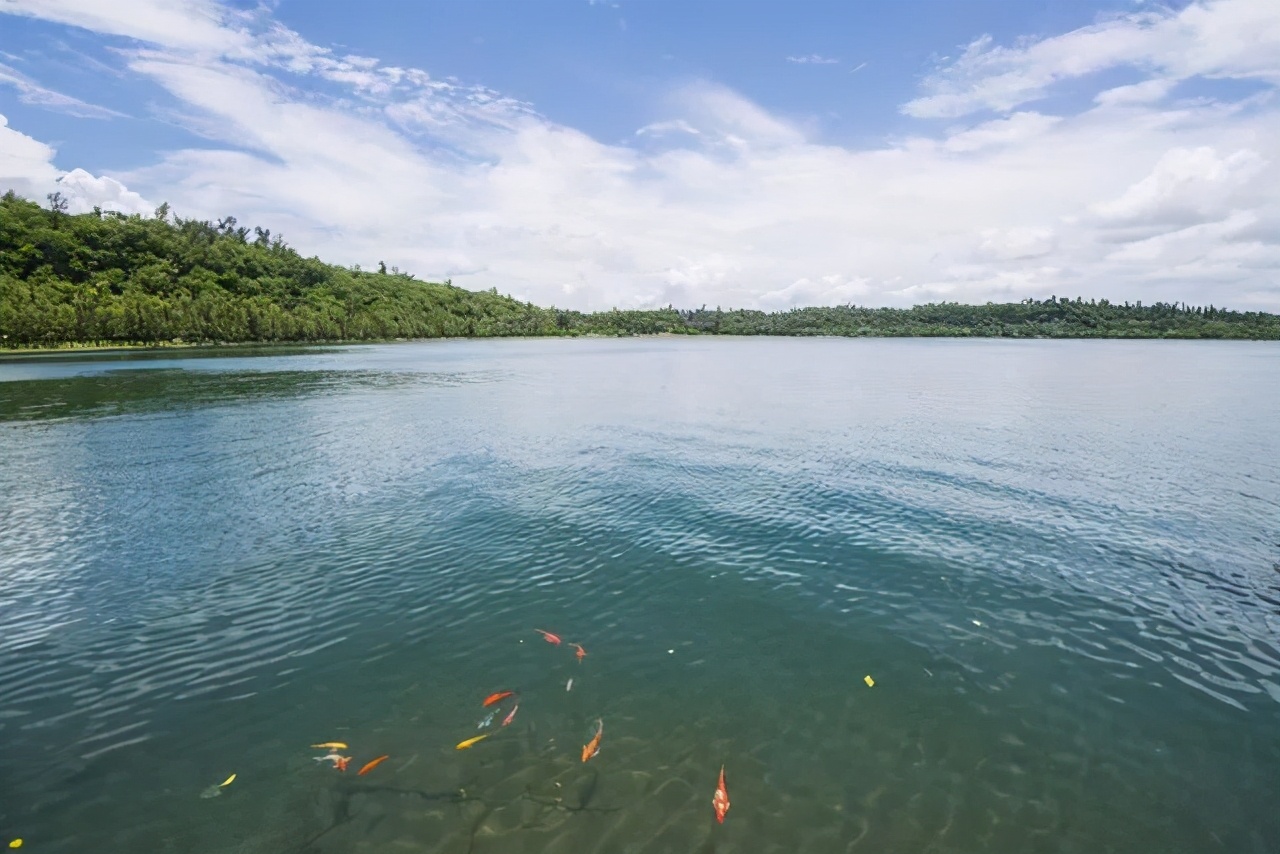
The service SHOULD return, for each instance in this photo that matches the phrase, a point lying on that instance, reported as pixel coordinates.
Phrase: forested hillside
(107, 278)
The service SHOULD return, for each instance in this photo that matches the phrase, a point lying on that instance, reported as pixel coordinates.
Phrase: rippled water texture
(1058, 561)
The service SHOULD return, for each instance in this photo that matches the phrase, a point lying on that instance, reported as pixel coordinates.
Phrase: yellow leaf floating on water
(227, 782)
(871, 683)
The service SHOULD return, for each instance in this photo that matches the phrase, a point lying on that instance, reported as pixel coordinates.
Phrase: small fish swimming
(463, 745)
(331, 745)
(581, 653)
(720, 800)
(487, 720)
(511, 715)
(369, 766)
(554, 639)
(216, 790)
(498, 697)
(568, 686)
(592, 747)
(340, 762)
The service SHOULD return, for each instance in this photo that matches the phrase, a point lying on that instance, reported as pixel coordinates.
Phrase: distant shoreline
(103, 282)
(78, 348)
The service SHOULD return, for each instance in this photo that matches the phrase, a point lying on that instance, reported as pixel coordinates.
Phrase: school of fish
(339, 762)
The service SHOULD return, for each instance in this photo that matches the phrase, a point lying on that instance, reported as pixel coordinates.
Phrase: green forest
(104, 278)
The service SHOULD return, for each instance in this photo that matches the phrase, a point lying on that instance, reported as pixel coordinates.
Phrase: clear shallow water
(1060, 562)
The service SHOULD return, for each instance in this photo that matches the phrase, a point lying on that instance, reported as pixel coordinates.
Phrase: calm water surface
(1058, 561)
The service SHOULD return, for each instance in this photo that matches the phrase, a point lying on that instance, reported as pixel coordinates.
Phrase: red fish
(555, 639)
(369, 766)
(511, 715)
(592, 747)
(494, 698)
(721, 798)
(581, 653)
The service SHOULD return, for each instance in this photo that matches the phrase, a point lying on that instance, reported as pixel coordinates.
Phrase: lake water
(1059, 561)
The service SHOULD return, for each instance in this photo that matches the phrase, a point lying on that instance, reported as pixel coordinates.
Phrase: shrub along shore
(106, 279)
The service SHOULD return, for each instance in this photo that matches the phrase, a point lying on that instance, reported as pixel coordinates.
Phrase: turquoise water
(1058, 561)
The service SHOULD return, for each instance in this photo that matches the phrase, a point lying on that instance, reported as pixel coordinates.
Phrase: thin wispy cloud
(32, 93)
(715, 198)
(813, 59)
(1227, 39)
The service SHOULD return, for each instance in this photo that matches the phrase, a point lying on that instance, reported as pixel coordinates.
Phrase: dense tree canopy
(110, 278)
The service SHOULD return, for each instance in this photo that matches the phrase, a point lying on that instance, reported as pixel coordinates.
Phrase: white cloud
(85, 192)
(190, 25)
(1018, 129)
(1186, 184)
(1016, 243)
(26, 167)
(1224, 39)
(30, 92)
(718, 200)
(1146, 92)
(813, 59)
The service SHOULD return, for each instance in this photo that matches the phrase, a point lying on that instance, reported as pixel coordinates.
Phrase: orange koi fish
(581, 653)
(369, 766)
(511, 715)
(555, 639)
(463, 745)
(721, 798)
(498, 697)
(339, 761)
(593, 747)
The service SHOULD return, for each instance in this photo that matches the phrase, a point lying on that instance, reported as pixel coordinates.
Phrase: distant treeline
(108, 278)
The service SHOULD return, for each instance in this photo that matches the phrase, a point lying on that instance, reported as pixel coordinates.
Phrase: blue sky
(593, 154)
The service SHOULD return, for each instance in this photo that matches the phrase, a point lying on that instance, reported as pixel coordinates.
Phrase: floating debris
(369, 766)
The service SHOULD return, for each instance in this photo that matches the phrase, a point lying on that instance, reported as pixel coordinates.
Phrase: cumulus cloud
(716, 199)
(26, 167)
(84, 192)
